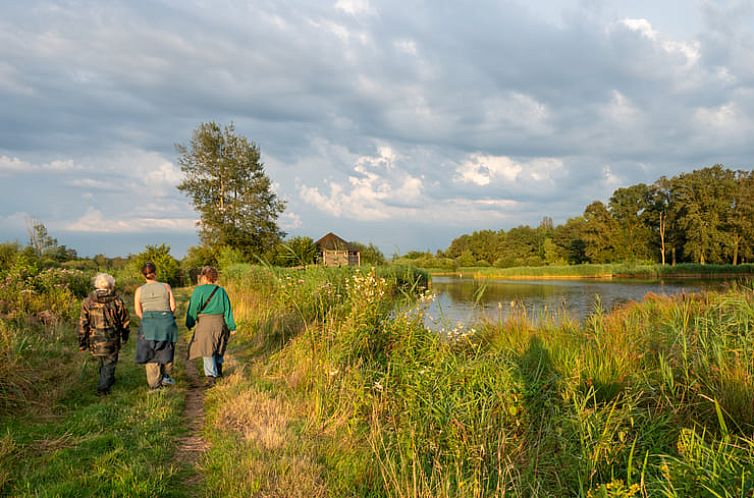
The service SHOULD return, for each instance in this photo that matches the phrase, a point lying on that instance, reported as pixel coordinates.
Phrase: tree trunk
(662, 237)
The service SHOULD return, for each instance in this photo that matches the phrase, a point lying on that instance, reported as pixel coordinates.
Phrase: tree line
(705, 216)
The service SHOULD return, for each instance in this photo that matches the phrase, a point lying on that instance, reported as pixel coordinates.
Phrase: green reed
(652, 399)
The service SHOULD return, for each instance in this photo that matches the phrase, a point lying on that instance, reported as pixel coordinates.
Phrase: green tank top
(155, 297)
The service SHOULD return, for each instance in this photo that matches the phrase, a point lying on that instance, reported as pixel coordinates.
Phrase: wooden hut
(334, 251)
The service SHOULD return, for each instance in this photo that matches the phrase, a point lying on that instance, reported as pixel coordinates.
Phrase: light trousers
(156, 371)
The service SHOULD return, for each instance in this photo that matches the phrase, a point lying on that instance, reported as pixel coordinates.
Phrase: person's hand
(233, 332)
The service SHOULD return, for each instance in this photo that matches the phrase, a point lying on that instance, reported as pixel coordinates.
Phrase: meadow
(336, 388)
(56, 437)
(338, 393)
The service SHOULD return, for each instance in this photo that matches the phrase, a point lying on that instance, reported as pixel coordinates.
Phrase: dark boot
(219, 370)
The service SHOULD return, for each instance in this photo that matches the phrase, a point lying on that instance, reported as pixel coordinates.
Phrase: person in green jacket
(209, 309)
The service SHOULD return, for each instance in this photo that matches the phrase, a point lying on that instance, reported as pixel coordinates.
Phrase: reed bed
(653, 399)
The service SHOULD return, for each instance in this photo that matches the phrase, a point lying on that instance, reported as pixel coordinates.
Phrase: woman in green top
(154, 303)
(209, 309)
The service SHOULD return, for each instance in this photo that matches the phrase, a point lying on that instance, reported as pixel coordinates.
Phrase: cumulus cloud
(376, 190)
(483, 170)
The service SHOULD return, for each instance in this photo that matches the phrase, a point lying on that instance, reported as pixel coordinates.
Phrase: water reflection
(466, 300)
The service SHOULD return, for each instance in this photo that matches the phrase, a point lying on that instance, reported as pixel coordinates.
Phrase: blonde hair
(103, 281)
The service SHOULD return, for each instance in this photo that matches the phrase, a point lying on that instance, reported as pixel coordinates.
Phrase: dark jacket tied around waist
(103, 323)
(158, 334)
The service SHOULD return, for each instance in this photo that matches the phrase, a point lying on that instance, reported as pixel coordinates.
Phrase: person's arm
(171, 298)
(228, 313)
(123, 319)
(137, 303)
(84, 327)
(193, 307)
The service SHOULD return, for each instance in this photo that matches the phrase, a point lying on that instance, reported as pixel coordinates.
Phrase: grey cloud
(318, 88)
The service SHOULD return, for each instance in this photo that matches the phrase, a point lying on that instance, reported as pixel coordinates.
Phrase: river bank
(684, 271)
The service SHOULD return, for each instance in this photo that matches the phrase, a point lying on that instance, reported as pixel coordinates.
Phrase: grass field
(59, 439)
(330, 392)
(652, 400)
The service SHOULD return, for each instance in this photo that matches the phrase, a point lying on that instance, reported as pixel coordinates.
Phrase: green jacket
(103, 323)
(218, 305)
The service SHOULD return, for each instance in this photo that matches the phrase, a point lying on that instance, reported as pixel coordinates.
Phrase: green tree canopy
(225, 179)
(370, 254)
(168, 269)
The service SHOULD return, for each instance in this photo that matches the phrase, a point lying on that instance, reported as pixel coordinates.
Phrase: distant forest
(706, 216)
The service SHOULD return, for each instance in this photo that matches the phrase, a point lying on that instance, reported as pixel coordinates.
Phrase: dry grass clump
(297, 476)
(257, 416)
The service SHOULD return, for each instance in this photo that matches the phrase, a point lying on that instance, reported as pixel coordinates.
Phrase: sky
(400, 123)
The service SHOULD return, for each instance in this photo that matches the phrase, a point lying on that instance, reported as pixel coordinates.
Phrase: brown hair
(149, 270)
(209, 273)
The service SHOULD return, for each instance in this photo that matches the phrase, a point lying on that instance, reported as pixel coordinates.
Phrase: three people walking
(104, 321)
(209, 309)
(154, 303)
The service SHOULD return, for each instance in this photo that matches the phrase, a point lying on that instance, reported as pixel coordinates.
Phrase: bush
(168, 269)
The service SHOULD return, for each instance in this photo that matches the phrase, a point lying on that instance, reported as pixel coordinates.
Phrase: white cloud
(690, 50)
(482, 170)
(354, 7)
(641, 26)
(92, 184)
(290, 221)
(15, 222)
(379, 190)
(93, 220)
(610, 179)
(621, 110)
(15, 165)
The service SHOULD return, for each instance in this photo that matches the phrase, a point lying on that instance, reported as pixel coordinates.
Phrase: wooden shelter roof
(332, 242)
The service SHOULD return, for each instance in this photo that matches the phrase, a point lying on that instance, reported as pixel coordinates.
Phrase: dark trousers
(106, 371)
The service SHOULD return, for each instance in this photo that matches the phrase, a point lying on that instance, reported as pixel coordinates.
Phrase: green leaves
(224, 178)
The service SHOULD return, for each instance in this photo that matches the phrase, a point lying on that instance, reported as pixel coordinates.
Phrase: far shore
(604, 272)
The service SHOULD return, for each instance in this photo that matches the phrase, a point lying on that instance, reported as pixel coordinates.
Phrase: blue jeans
(211, 363)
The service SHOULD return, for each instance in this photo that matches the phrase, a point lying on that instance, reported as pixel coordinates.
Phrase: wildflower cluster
(26, 291)
(459, 333)
(366, 288)
(615, 489)
(59, 278)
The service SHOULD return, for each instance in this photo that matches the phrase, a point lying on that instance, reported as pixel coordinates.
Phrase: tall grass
(653, 399)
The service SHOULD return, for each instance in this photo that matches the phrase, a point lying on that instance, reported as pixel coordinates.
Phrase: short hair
(103, 281)
(149, 270)
(209, 273)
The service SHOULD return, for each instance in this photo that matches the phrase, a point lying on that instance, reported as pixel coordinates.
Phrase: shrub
(168, 269)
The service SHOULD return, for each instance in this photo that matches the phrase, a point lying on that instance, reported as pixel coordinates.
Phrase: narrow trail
(192, 446)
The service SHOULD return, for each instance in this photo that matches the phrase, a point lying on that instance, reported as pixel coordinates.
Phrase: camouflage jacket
(103, 323)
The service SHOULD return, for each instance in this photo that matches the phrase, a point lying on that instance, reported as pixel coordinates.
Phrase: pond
(467, 300)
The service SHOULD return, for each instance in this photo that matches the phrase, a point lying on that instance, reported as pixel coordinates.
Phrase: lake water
(467, 300)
